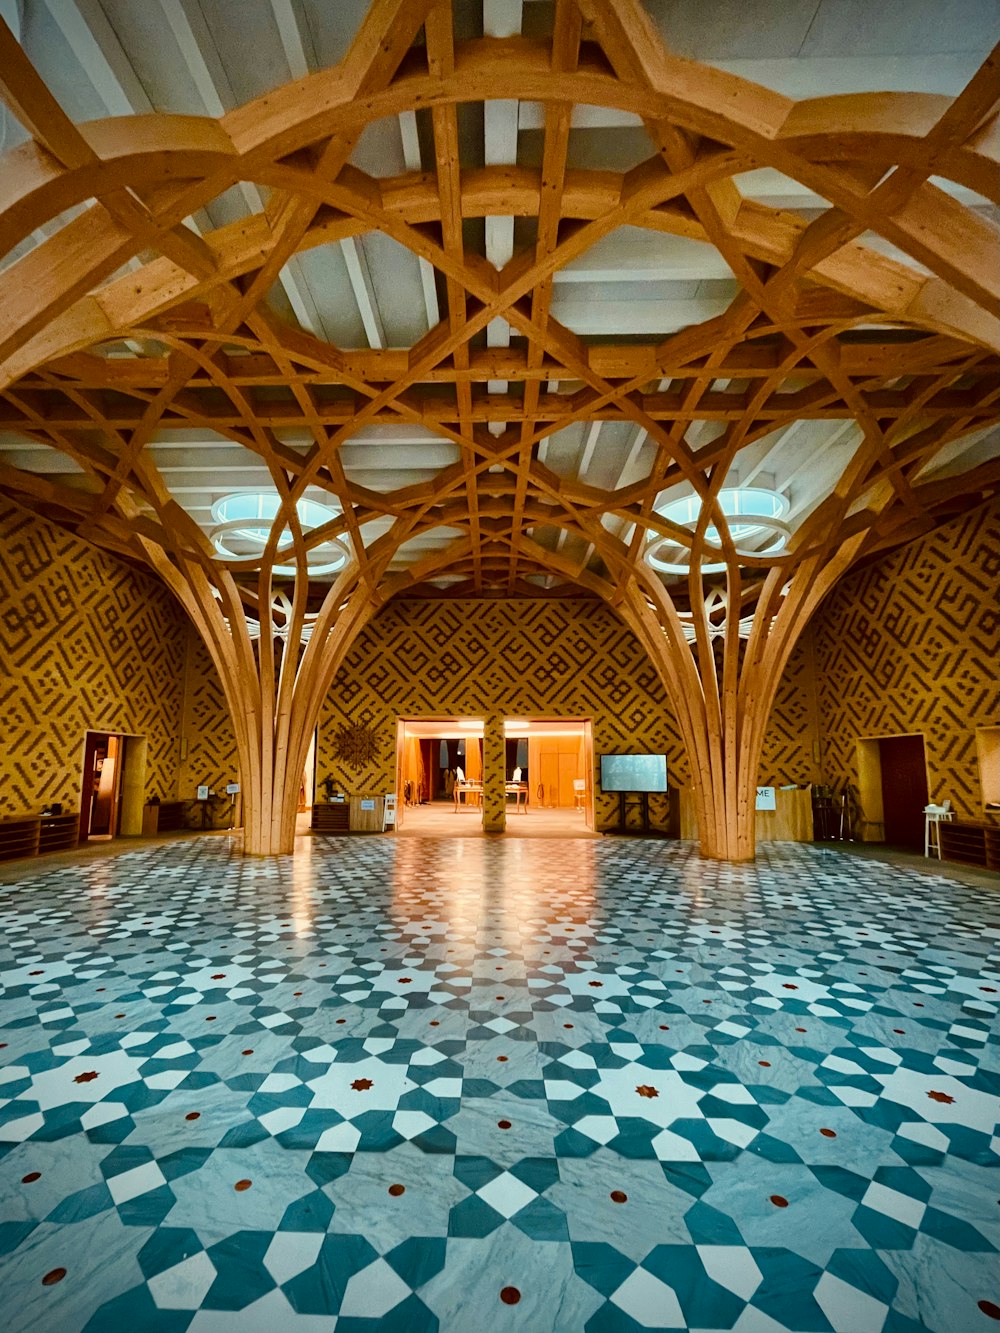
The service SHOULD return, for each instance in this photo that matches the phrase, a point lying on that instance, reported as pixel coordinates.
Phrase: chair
(579, 792)
(388, 810)
(933, 815)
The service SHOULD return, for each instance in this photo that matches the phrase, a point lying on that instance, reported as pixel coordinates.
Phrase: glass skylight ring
(666, 566)
(237, 526)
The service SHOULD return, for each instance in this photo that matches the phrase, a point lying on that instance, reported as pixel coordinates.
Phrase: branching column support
(273, 684)
(723, 697)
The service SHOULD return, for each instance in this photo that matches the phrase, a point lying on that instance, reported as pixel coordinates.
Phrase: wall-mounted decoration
(356, 745)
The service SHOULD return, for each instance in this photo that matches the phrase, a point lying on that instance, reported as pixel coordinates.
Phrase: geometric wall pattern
(912, 645)
(209, 748)
(85, 642)
(514, 658)
(793, 728)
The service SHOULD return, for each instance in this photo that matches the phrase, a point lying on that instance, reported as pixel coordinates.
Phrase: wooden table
(518, 790)
(467, 789)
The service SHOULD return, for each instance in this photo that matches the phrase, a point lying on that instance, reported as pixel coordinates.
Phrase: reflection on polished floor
(440, 819)
(420, 1084)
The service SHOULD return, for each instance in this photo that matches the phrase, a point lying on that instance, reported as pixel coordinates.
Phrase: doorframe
(587, 725)
(130, 783)
(868, 765)
(445, 719)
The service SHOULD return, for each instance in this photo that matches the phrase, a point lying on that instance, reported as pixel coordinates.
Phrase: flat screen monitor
(633, 772)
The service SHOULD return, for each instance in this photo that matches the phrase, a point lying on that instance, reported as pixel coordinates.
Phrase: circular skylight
(237, 536)
(755, 519)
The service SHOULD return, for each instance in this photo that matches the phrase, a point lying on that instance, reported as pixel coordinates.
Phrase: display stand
(632, 801)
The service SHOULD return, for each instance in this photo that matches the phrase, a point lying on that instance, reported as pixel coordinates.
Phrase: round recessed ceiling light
(243, 525)
(751, 513)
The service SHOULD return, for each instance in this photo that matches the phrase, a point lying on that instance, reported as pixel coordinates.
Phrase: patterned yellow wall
(516, 658)
(792, 736)
(209, 750)
(85, 642)
(911, 645)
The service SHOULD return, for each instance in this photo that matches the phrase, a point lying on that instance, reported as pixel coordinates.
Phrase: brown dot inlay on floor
(397, 1190)
(248, 1051)
(619, 1196)
(193, 1115)
(765, 1064)
(242, 1185)
(510, 1295)
(991, 1310)
(31, 1177)
(502, 1059)
(503, 1124)
(829, 1133)
(779, 1201)
(53, 1276)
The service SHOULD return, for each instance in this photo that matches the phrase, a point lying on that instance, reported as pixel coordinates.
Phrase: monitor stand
(631, 800)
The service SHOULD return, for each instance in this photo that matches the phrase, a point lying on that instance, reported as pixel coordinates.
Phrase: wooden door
(904, 789)
(95, 747)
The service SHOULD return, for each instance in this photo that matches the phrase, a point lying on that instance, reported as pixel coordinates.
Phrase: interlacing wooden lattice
(803, 288)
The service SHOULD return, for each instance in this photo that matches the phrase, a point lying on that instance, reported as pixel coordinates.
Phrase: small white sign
(367, 805)
(766, 799)
(232, 788)
(202, 793)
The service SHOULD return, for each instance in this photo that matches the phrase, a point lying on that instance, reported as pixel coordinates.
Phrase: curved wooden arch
(802, 288)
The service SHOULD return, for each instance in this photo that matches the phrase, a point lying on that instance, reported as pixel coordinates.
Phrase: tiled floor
(493, 1085)
(439, 819)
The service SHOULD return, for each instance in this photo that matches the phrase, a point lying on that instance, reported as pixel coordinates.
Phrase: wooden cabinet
(970, 844)
(34, 835)
(358, 814)
(58, 833)
(167, 817)
(333, 817)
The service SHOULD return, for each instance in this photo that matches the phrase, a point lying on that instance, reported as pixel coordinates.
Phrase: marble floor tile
(487, 1084)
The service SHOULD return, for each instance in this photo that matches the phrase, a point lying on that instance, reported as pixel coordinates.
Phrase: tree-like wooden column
(722, 684)
(276, 660)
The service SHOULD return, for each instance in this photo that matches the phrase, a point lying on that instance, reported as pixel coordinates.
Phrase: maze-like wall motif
(85, 642)
(911, 645)
(210, 757)
(516, 658)
(792, 729)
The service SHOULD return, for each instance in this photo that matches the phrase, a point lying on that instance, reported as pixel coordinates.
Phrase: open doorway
(439, 763)
(552, 760)
(112, 787)
(892, 785)
(548, 776)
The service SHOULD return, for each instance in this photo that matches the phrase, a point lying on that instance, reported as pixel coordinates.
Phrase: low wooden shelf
(36, 835)
(966, 843)
(331, 817)
(58, 833)
(18, 837)
(163, 817)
